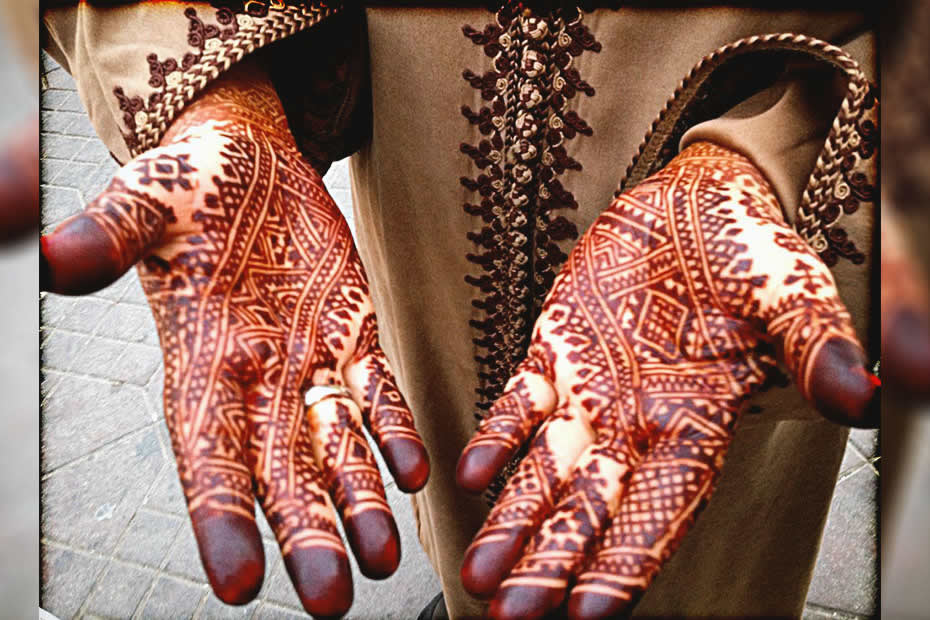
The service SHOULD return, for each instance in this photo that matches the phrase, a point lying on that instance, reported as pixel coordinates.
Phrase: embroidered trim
(521, 157)
(215, 47)
(845, 176)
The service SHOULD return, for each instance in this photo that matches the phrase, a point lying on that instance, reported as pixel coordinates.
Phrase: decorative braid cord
(845, 177)
(215, 47)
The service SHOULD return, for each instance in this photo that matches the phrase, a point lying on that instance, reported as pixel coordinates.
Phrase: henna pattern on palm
(668, 315)
(258, 293)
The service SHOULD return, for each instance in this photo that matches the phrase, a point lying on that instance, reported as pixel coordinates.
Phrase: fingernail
(525, 602)
(232, 555)
(479, 464)
(323, 580)
(408, 461)
(841, 388)
(375, 541)
(591, 606)
(486, 565)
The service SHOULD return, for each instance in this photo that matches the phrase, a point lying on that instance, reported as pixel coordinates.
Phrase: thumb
(815, 337)
(93, 249)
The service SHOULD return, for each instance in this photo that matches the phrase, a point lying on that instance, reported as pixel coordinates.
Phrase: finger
(351, 475)
(218, 488)
(527, 399)
(905, 321)
(664, 495)
(92, 249)
(538, 583)
(795, 296)
(814, 332)
(388, 416)
(525, 502)
(302, 517)
(19, 184)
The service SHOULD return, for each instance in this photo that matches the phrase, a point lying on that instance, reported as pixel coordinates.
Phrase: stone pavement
(116, 541)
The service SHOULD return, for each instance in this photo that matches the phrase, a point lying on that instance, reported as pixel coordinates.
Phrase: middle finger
(351, 474)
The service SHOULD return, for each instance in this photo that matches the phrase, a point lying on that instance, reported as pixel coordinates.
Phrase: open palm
(668, 315)
(258, 294)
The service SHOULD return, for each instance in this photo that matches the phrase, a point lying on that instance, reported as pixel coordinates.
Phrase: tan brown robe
(435, 208)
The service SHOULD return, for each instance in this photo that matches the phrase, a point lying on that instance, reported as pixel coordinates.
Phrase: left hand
(668, 315)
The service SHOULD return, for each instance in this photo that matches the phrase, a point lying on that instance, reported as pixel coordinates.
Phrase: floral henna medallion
(660, 326)
(258, 293)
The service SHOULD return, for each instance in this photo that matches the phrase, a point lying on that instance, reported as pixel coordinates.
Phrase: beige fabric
(137, 67)
(104, 48)
(753, 549)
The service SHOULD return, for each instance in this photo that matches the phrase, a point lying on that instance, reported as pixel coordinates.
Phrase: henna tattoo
(258, 293)
(656, 332)
(166, 170)
(92, 251)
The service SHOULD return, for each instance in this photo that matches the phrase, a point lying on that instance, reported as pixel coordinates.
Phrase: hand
(258, 294)
(667, 316)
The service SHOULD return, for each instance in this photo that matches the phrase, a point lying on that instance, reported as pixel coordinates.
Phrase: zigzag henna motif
(657, 330)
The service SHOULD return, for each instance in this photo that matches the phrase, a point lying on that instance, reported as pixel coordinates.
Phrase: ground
(115, 538)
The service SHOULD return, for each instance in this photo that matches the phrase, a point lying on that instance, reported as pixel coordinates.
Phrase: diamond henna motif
(661, 322)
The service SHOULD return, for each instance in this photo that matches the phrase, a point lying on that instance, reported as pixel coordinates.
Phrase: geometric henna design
(258, 293)
(844, 179)
(166, 170)
(656, 332)
(133, 221)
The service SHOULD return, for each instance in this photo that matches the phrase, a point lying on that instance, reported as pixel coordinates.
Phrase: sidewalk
(116, 540)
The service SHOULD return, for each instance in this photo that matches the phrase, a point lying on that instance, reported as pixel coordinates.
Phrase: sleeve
(137, 66)
(781, 129)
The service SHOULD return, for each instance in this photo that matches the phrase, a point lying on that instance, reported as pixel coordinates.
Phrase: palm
(258, 294)
(658, 328)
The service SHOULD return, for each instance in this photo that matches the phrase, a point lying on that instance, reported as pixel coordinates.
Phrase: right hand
(666, 317)
(258, 293)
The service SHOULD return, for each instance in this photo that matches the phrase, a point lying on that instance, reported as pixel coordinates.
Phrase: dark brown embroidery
(521, 157)
(236, 29)
(845, 178)
(169, 72)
